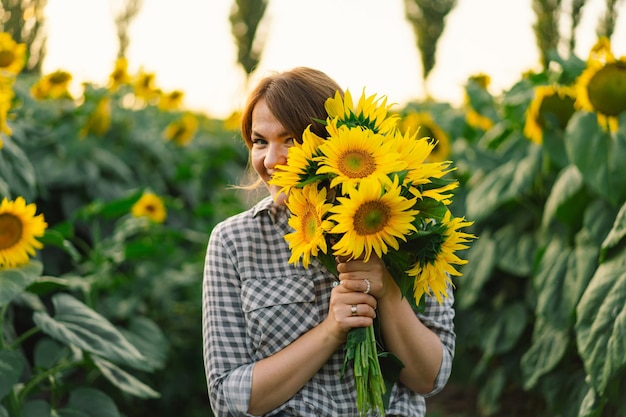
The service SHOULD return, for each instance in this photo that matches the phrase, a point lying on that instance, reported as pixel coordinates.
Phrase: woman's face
(270, 143)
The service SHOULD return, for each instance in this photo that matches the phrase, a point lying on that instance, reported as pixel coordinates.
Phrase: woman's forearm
(279, 377)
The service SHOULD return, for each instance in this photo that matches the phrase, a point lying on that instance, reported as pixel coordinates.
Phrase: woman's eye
(258, 141)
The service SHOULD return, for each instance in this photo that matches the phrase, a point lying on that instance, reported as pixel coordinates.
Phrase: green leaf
(617, 233)
(567, 198)
(76, 324)
(15, 280)
(36, 408)
(17, 170)
(603, 169)
(148, 338)
(592, 405)
(548, 348)
(123, 380)
(489, 395)
(505, 329)
(516, 250)
(508, 182)
(481, 257)
(49, 352)
(91, 403)
(11, 367)
(601, 324)
(549, 283)
(3, 411)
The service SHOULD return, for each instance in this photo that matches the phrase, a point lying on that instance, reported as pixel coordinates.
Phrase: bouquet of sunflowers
(368, 188)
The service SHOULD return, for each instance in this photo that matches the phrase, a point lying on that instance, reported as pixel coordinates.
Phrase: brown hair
(295, 97)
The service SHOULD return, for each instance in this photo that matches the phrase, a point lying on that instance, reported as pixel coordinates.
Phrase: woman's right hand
(349, 309)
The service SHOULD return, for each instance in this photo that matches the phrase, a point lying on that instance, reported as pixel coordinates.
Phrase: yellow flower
(171, 101)
(53, 86)
(432, 275)
(420, 173)
(477, 120)
(12, 55)
(19, 230)
(308, 207)
(423, 122)
(150, 206)
(119, 76)
(182, 130)
(550, 104)
(601, 87)
(370, 112)
(371, 219)
(6, 100)
(301, 164)
(233, 122)
(351, 154)
(99, 121)
(144, 87)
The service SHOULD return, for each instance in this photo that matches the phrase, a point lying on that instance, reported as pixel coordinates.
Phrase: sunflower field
(107, 200)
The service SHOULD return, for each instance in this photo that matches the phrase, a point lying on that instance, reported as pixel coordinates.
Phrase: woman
(274, 332)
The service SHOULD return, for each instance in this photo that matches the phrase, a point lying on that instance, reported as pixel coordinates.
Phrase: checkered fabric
(255, 303)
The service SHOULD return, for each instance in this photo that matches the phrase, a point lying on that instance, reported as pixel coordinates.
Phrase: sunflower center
(607, 89)
(10, 230)
(556, 106)
(6, 58)
(309, 224)
(59, 78)
(357, 164)
(371, 217)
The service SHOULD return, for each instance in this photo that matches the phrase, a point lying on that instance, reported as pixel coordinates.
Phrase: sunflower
(171, 101)
(349, 155)
(301, 165)
(119, 76)
(551, 103)
(424, 123)
(19, 230)
(182, 130)
(12, 55)
(472, 116)
(233, 121)
(144, 86)
(432, 272)
(601, 87)
(53, 86)
(150, 206)
(370, 113)
(309, 209)
(6, 101)
(99, 121)
(372, 219)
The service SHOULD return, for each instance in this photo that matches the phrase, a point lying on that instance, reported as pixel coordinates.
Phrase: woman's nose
(276, 155)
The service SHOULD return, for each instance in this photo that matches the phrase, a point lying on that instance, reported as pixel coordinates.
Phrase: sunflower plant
(367, 188)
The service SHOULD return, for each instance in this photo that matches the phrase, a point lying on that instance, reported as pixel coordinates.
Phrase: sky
(362, 44)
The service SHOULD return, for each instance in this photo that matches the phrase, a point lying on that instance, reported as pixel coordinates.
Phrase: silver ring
(353, 309)
(369, 286)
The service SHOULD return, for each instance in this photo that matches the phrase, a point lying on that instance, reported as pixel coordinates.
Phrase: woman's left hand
(369, 277)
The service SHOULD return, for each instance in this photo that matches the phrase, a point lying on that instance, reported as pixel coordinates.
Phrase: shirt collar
(267, 206)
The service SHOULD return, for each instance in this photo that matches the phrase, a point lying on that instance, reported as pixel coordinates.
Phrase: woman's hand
(370, 277)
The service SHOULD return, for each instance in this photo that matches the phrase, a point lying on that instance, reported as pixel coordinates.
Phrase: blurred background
(119, 147)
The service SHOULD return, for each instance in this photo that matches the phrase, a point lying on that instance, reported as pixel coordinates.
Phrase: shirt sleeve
(440, 319)
(227, 363)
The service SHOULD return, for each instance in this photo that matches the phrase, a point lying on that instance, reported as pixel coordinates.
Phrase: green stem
(3, 313)
(18, 341)
(36, 380)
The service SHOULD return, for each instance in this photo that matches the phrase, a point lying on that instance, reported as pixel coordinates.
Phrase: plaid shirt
(255, 303)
